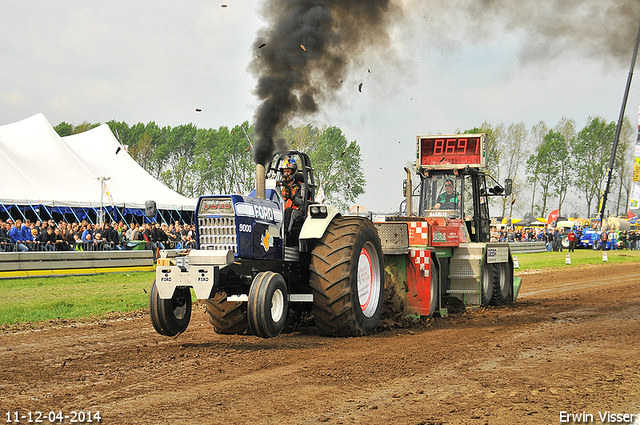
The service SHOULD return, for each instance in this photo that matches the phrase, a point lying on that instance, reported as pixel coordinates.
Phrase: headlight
(318, 211)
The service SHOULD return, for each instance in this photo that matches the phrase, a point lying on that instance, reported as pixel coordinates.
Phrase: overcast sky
(449, 67)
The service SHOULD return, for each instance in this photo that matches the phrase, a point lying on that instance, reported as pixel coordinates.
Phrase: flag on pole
(634, 198)
(108, 193)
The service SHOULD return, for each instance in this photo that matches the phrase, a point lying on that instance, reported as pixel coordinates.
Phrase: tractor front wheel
(268, 305)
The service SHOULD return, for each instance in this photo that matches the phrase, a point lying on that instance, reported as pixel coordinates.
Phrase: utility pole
(101, 215)
(605, 192)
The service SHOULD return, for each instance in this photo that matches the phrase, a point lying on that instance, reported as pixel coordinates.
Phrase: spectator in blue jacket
(18, 236)
(87, 234)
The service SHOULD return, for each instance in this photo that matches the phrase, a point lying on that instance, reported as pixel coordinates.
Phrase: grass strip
(75, 297)
(543, 260)
(72, 297)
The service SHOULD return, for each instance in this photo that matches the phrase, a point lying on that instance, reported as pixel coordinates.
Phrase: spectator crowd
(85, 236)
(553, 238)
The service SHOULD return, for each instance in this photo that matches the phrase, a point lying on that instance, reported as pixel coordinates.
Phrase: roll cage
(304, 174)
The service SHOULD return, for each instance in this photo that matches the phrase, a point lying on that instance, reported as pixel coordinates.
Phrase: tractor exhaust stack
(261, 181)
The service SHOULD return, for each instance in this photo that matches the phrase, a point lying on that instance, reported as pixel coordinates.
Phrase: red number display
(451, 146)
(438, 146)
(447, 152)
(462, 146)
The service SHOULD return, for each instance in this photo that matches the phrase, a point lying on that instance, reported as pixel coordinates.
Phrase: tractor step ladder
(464, 273)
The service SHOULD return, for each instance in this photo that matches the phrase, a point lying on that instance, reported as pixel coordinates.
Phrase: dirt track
(569, 344)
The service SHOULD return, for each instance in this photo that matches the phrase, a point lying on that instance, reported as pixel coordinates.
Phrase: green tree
(567, 129)
(335, 160)
(120, 130)
(590, 153)
(224, 161)
(544, 163)
(538, 132)
(177, 155)
(209, 162)
(85, 126)
(244, 167)
(142, 141)
(305, 138)
(495, 138)
(64, 129)
(514, 154)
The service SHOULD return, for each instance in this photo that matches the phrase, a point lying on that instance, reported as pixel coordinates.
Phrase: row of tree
(547, 164)
(194, 161)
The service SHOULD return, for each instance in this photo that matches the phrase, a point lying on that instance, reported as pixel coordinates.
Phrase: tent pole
(8, 213)
(87, 210)
(124, 220)
(73, 211)
(35, 212)
(47, 210)
(110, 216)
(20, 211)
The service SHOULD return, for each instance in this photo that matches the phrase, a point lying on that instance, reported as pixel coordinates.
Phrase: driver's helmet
(289, 163)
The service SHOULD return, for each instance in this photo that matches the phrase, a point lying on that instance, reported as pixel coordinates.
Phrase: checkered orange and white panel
(419, 230)
(421, 258)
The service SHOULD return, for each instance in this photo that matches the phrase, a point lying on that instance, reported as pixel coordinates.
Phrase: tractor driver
(448, 200)
(292, 193)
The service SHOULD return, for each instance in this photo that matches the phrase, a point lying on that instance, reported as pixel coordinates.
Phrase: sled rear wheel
(435, 288)
(170, 317)
(486, 284)
(502, 284)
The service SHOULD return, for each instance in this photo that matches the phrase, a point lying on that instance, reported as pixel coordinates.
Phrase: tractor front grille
(217, 233)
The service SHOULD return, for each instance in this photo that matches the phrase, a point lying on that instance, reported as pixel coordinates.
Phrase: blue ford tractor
(255, 270)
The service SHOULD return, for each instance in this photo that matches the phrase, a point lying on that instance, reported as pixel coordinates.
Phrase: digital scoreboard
(455, 151)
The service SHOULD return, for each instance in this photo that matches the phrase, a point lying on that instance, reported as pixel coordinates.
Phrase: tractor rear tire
(347, 278)
(227, 317)
(268, 305)
(502, 284)
(170, 317)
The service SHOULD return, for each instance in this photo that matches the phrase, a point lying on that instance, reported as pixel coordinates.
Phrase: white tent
(38, 167)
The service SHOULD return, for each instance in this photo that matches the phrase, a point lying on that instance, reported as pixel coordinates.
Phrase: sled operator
(448, 200)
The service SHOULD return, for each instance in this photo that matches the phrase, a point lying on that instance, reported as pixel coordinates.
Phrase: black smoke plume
(550, 29)
(302, 57)
(304, 53)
